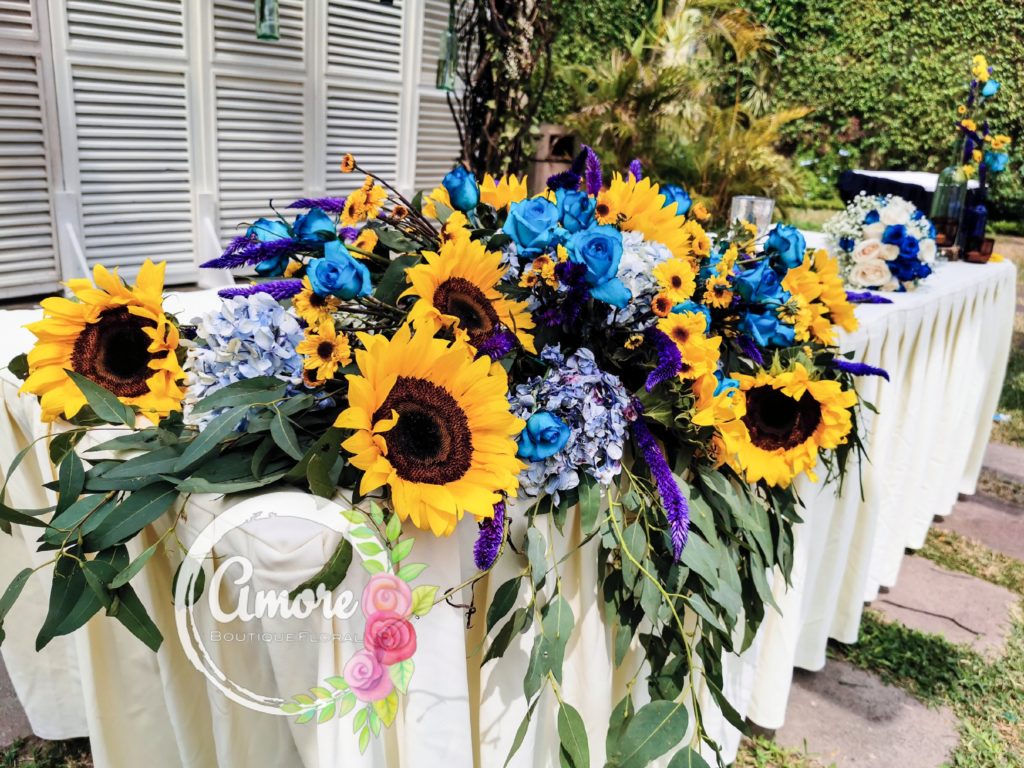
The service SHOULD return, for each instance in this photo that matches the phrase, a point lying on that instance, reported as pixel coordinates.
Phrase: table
(155, 709)
(916, 186)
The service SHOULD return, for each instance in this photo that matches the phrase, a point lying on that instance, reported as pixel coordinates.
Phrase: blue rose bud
(599, 249)
(990, 88)
(532, 225)
(315, 225)
(786, 246)
(544, 436)
(872, 217)
(996, 161)
(575, 209)
(338, 274)
(894, 234)
(675, 194)
(724, 383)
(909, 247)
(462, 189)
(265, 230)
(767, 330)
(761, 285)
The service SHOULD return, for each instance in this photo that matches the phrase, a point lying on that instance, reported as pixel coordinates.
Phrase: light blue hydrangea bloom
(598, 411)
(248, 337)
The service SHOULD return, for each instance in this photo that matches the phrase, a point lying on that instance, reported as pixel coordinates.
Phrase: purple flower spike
(858, 369)
(325, 204)
(670, 361)
(749, 348)
(636, 169)
(489, 540)
(593, 175)
(497, 345)
(564, 180)
(866, 297)
(677, 511)
(279, 289)
(255, 252)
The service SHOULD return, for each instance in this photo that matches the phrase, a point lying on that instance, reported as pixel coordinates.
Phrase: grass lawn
(36, 753)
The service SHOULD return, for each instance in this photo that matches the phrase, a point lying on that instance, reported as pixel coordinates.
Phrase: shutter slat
(156, 25)
(234, 34)
(437, 140)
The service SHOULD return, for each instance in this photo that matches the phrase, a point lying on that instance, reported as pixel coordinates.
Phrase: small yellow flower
(995, 258)
(979, 68)
(562, 253)
(969, 125)
(292, 268)
(312, 308)
(545, 267)
(999, 141)
(400, 212)
(456, 228)
(662, 305)
(961, 110)
(437, 195)
(728, 260)
(676, 278)
(603, 211)
(976, 154)
(324, 350)
(700, 212)
(716, 292)
(366, 241)
(348, 163)
(634, 341)
(529, 280)
(968, 171)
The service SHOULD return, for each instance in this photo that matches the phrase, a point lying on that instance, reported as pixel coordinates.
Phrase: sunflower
(833, 294)
(348, 163)
(455, 228)
(437, 195)
(677, 279)
(661, 305)
(364, 203)
(312, 308)
(115, 335)
(698, 352)
(433, 424)
(717, 292)
(457, 287)
(786, 419)
(501, 193)
(324, 350)
(683, 327)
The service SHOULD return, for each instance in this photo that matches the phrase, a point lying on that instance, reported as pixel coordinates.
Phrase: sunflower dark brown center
(677, 281)
(317, 301)
(680, 335)
(602, 209)
(325, 350)
(113, 352)
(431, 443)
(458, 297)
(776, 420)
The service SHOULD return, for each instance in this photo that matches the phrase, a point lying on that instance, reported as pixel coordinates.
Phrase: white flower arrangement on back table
(882, 243)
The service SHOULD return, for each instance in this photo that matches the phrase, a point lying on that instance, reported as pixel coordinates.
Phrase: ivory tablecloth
(945, 346)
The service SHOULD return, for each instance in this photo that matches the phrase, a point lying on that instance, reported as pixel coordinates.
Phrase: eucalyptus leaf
(247, 392)
(284, 435)
(504, 598)
(572, 735)
(133, 514)
(536, 553)
(104, 403)
(590, 503)
(687, 758)
(652, 731)
(333, 572)
(210, 438)
(524, 726)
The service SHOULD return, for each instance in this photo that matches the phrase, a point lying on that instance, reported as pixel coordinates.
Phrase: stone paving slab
(996, 524)
(961, 608)
(849, 717)
(13, 722)
(1002, 474)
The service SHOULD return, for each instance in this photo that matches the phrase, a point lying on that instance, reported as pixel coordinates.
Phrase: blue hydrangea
(248, 337)
(594, 405)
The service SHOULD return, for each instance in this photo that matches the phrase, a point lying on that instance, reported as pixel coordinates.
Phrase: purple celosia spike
(489, 540)
(593, 175)
(279, 289)
(750, 349)
(564, 180)
(497, 345)
(677, 511)
(670, 361)
(348, 233)
(858, 369)
(255, 252)
(866, 297)
(636, 169)
(325, 204)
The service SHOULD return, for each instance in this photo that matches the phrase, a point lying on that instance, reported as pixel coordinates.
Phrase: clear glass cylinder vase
(948, 206)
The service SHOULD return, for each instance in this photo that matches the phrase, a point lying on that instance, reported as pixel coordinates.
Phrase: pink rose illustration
(367, 678)
(390, 636)
(387, 592)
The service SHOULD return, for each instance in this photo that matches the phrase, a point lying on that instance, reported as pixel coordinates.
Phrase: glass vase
(267, 20)
(948, 206)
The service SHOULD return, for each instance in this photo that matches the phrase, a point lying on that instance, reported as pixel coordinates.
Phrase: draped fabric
(945, 346)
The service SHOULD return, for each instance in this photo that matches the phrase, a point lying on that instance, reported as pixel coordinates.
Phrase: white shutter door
(126, 67)
(437, 140)
(261, 114)
(364, 88)
(27, 260)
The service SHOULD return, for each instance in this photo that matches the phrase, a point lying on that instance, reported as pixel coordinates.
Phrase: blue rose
(847, 243)
(599, 249)
(786, 245)
(767, 330)
(908, 270)
(761, 285)
(532, 224)
(315, 225)
(462, 189)
(909, 247)
(265, 230)
(872, 218)
(894, 234)
(675, 194)
(544, 436)
(575, 209)
(724, 383)
(338, 274)
(996, 161)
(692, 306)
(990, 88)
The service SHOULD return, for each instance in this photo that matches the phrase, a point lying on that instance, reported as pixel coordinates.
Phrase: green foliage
(884, 79)
(37, 753)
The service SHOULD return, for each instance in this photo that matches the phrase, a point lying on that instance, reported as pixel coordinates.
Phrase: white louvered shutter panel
(28, 263)
(261, 116)
(131, 132)
(437, 140)
(364, 89)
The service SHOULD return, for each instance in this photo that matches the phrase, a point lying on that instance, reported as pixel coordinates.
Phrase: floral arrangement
(984, 151)
(584, 353)
(882, 243)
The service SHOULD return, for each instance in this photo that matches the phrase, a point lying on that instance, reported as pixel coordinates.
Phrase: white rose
(896, 212)
(868, 250)
(926, 252)
(874, 231)
(890, 252)
(870, 274)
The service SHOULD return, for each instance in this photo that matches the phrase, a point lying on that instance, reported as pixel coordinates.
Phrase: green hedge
(884, 77)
